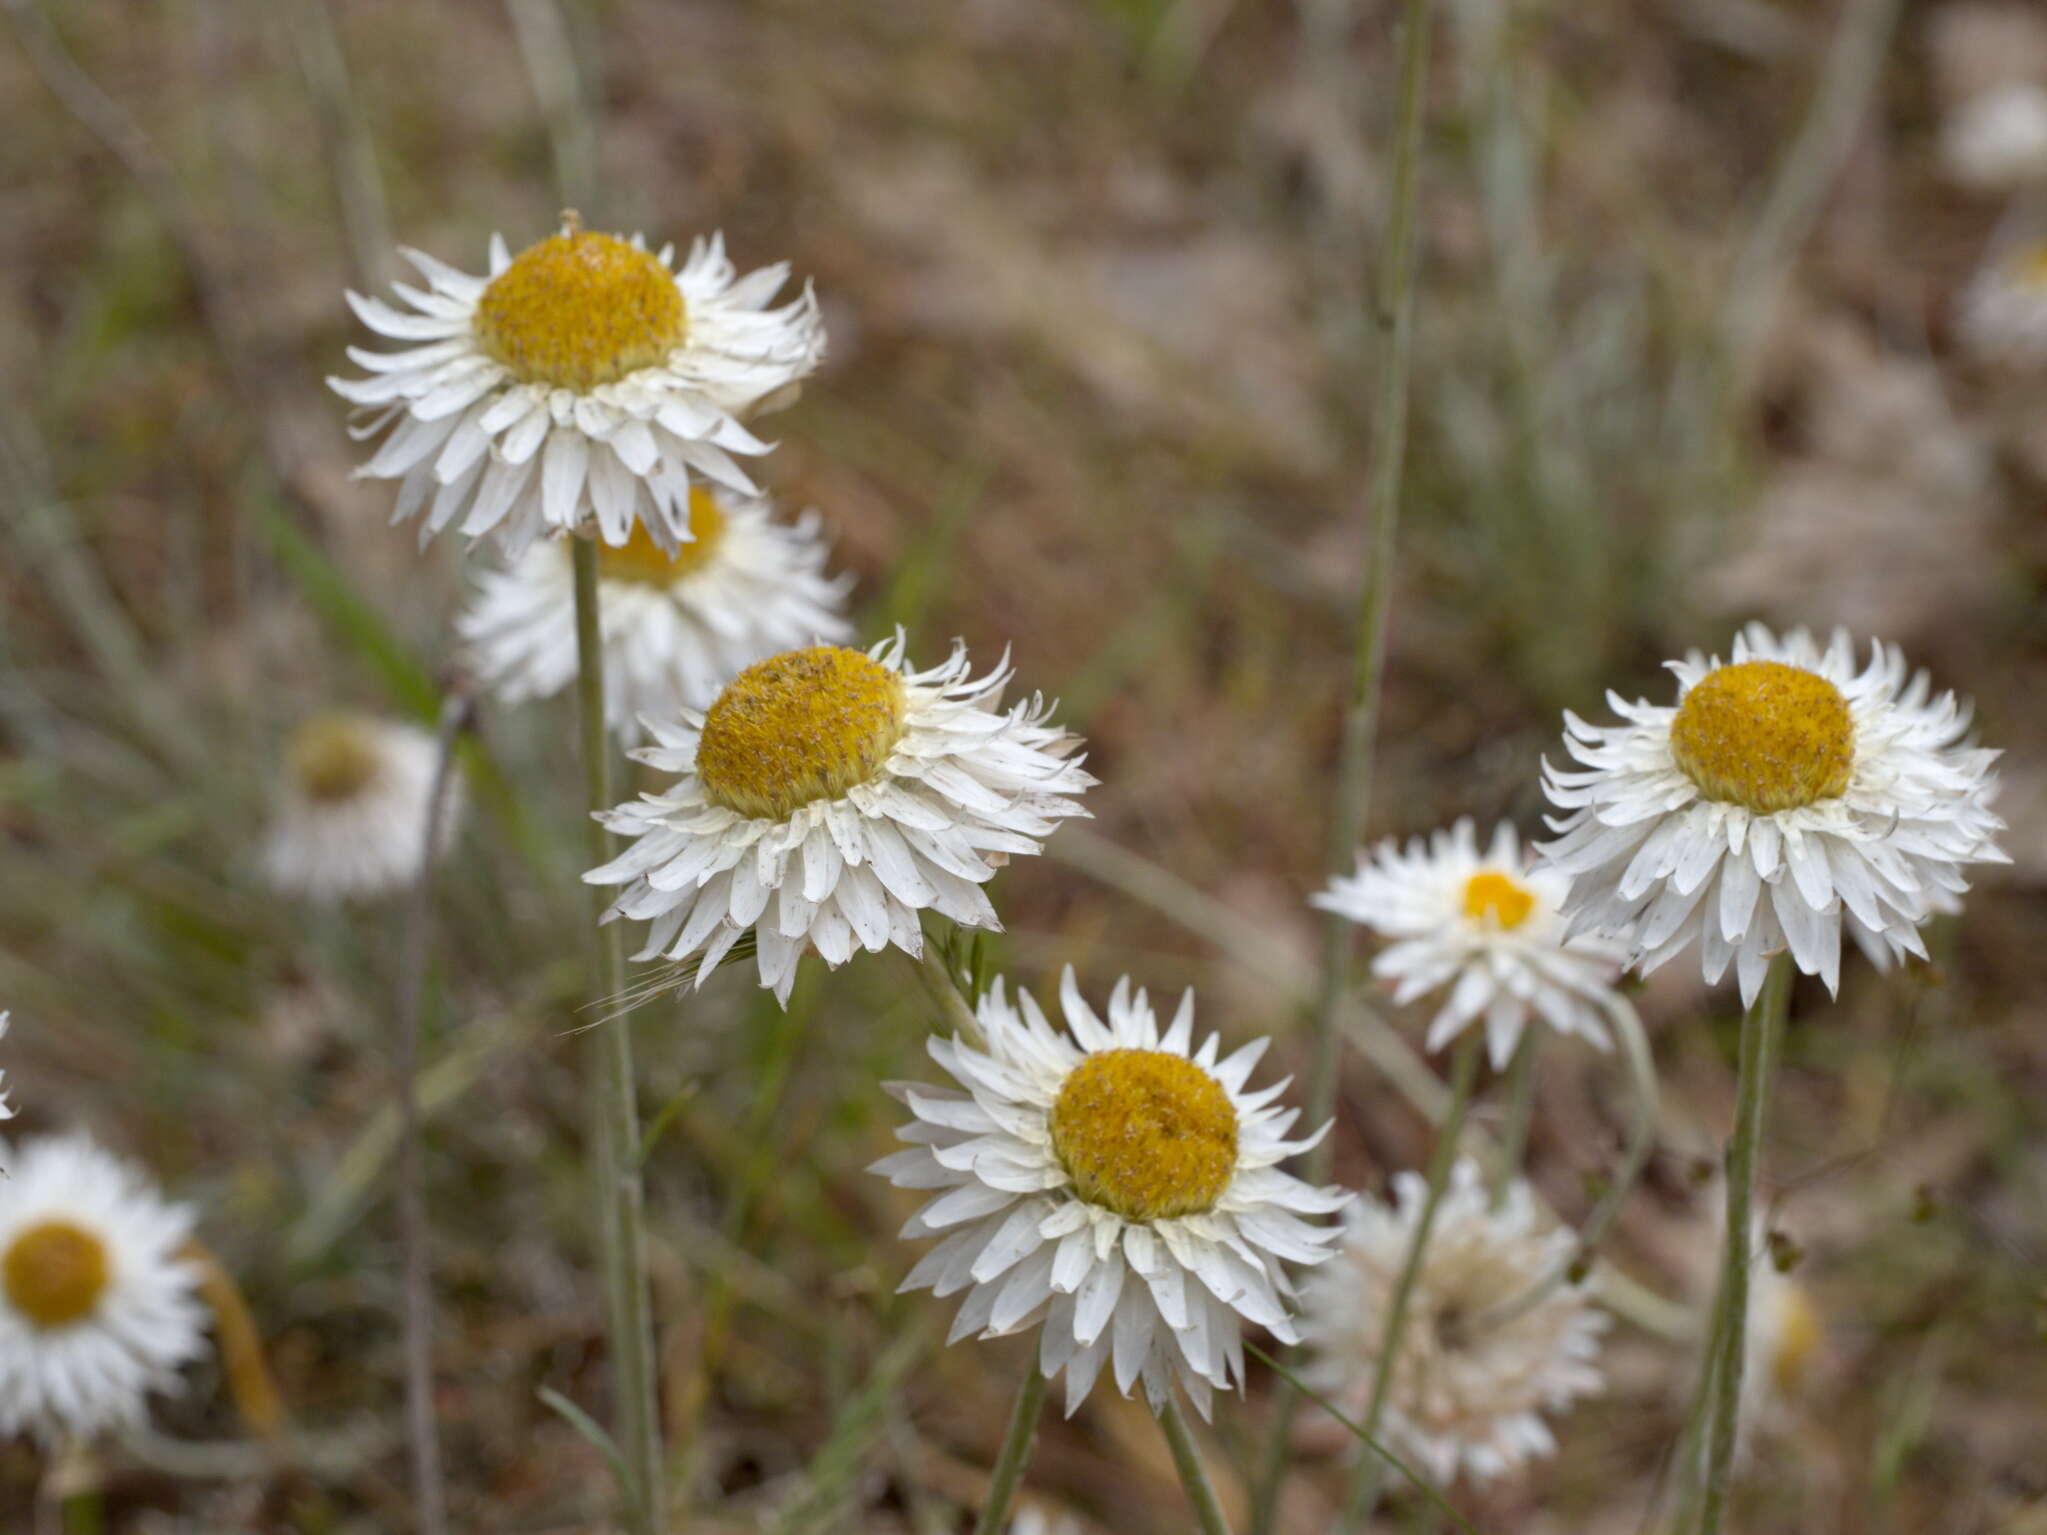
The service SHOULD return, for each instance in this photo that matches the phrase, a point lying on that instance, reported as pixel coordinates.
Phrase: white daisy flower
(1114, 1184)
(583, 378)
(676, 628)
(1486, 921)
(97, 1309)
(2004, 309)
(351, 810)
(1476, 1373)
(828, 796)
(1997, 141)
(1787, 796)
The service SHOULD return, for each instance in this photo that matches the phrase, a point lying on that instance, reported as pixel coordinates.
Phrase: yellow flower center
(1799, 1334)
(333, 758)
(801, 726)
(1145, 1133)
(641, 560)
(1765, 736)
(2032, 266)
(1490, 896)
(581, 309)
(54, 1273)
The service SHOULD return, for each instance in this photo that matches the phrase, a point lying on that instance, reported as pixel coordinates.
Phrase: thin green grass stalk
(1520, 1109)
(1761, 1027)
(1015, 1453)
(1394, 317)
(1691, 1439)
(1208, 1508)
(619, 1191)
(1370, 1478)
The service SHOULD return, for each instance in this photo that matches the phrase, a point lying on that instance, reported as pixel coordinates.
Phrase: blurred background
(1096, 278)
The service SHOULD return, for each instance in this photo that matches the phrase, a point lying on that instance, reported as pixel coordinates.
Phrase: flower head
(830, 795)
(97, 1309)
(1997, 140)
(1484, 924)
(1785, 797)
(2004, 309)
(583, 383)
(1476, 1372)
(351, 810)
(1113, 1185)
(677, 627)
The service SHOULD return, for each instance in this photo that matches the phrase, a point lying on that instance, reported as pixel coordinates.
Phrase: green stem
(1370, 1477)
(1015, 1453)
(1520, 1110)
(1394, 319)
(1208, 1508)
(1761, 1026)
(615, 1104)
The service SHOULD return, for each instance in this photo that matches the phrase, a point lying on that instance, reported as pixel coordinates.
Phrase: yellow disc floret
(1765, 736)
(333, 758)
(639, 559)
(801, 726)
(1500, 899)
(54, 1273)
(581, 309)
(1145, 1133)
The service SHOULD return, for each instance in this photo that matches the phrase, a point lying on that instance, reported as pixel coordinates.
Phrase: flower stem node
(1766, 736)
(1145, 1133)
(581, 309)
(802, 726)
(54, 1273)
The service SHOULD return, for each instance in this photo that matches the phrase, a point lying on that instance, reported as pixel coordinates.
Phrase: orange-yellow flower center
(1765, 736)
(2032, 266)
(1145, 1133)
(1490, 896)
(333, 758)
(581, 309)
(1799, 1335)
(54, 1273)
(801, 726)
(641, 560)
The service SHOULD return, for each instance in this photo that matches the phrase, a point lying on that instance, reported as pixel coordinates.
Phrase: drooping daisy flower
(1489, 923)
(97, 1310)
(583, 380)
(1996, 141)
(676, 629)
(352, 808)
(1787, 796)
(830, 795)
(1113, 1184)
(2004, 310)
(1476, 1372)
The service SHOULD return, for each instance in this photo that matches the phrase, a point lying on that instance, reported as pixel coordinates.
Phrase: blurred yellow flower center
(1765, 736)
(2032, 266)
(1492, 896)
(642, 560)
(1799, 1335)
(581, 309)
(54, 1273)
(1145, 1133)
(801, 726)
(333, 758)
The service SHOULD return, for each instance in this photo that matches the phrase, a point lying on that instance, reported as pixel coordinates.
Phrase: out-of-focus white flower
(351, 810)
(97, 1309)
(828, 796)
(1476, 1373)
(1486, 922)
(580, 385)
(1786, 796)
(2004, 309)
(677, 627)
(1113, 1183)
(6, 1111)
(1996, 141)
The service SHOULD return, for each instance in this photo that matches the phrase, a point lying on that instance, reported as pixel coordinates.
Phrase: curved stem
(1015, 1453)
(1370, 1477)
(1208, 1508)
(615, 1107)
(1760, 1027)
(1394, 318)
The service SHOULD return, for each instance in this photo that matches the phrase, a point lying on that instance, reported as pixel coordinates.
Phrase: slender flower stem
(429, 1484)
(1520, 1109)
(1208, 1508)
(1370, 1477)
(1015, 1453)
(1761, 1027)
(616, 1112)
(1394, 319)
